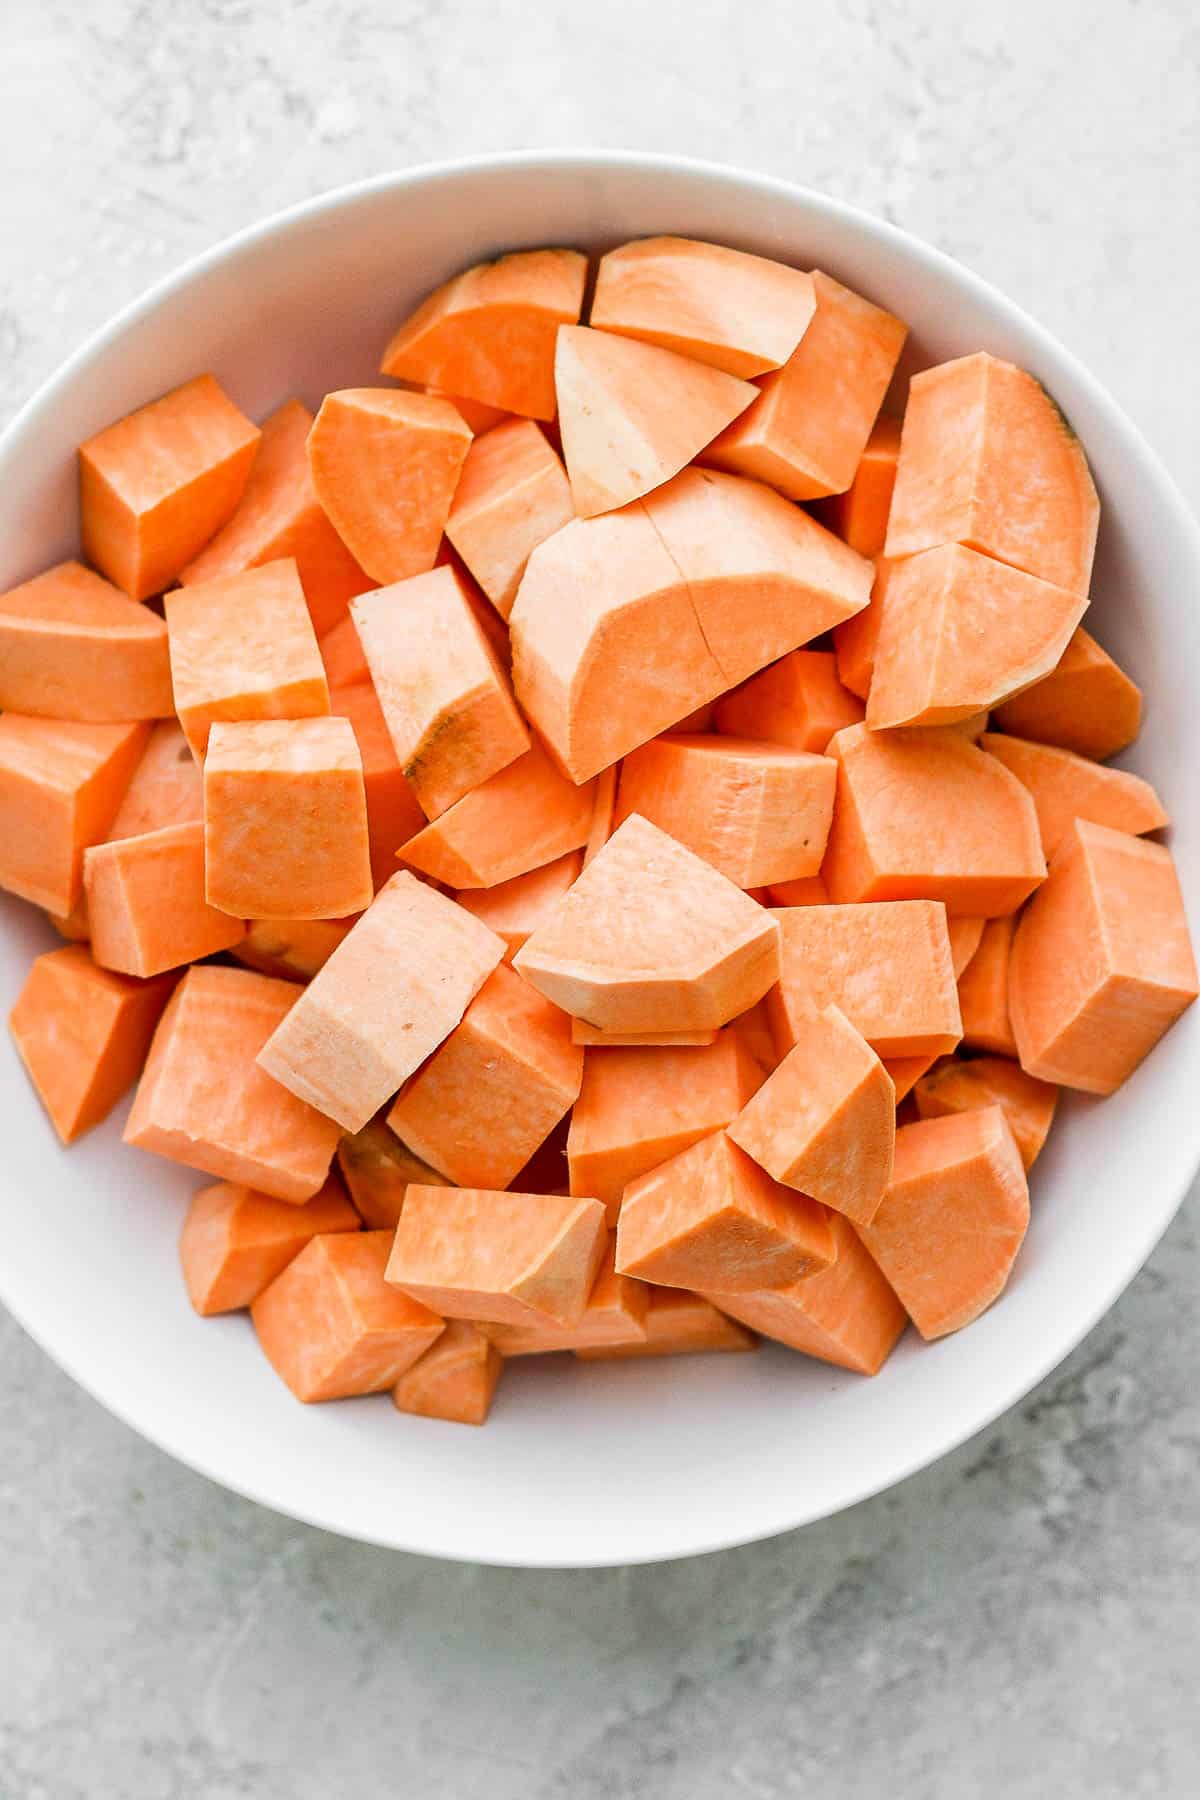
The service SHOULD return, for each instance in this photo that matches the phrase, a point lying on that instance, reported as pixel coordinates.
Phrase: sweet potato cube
(650, 938)
(394, 813)
(798, 702)
(1087, 704)
(378, 1170)
(488, 334)
(243, 647)
(808, 892)
(203, 1100)
(481, 417)
(824, 1121)
(754, 1028)
(1027, 1103)
(741, 313)
(515, 908)
(279, 515)
(887, 968)
(860, 515)
(331, 1327)
(1065, 787)
(72, 646)
(927, 815)
(519, 819)
(235, 1241)
(987, 460)
(966, 935)
(455, 1379)
(845, 1314)
(953, 1219)
(677, 1323)
(61, 783)
(154, 487)
(503, 1256)
(290, 949)
(74, 926)
(757, 812)
(285, 820)
(615, 1314)
(146, 906)
(983, 991)
(446, 703)
(640, 1106)
(394, 988)
(494, 1089)
(904, 1072)
(167, 787)
(807, 431)
(855, 640)
(1101, 963)
(512, 495)
(342, 655)
(83, 1034)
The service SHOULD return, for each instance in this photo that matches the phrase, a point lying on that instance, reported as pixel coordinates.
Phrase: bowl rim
(941, 267)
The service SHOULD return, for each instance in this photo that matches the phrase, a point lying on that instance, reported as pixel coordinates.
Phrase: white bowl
(581, 1464)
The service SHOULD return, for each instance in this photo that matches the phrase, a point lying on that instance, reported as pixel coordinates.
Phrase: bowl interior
(583, 1464)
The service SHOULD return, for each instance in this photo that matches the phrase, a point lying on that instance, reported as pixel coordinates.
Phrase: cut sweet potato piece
(488, 334)
(809, 892)
(888, 969)
(512, 495)
(154, 487)
(285, 820)
(518, 820)
(203, 1101)
(60, 786)
(481, 417)
(960, 632)
(677, 1323)
(1101, 963)
(243, 647)
(615, 1314)
(591, 1036)
(757, 812)
(987, 460)
(807, 431)
(235, 1241)
(824, 1122)
(1028, 1104)
(604, 807)
(845, 1314)
(855, 640)
(279, 515)
(378, 1169)
(331, 1327)
(1066, 786)
(515, 908)
(290, 949)
(860, 515)
(983, 991)
(384, 466)
(342, 654)
(167, 787)
(966, 935)
(650, 938)
(146, 904)
(927, 815)
(711, 1216)
(1087, 704)
(633, 414)
(799, 702)
(753, 1027)
(74, 925)
(638, 1107)
(394, 988)
(904, 1073)
(446, 703)
(72, 646)
(83, 1034)
(953, 1219)
(456, 1378)
(394, 814)
(513, 1258)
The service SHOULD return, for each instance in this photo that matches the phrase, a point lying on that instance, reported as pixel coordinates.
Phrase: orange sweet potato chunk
(740, 313)
(83, 1034)
(798, 702)
(960, 632)
(342, 655)
(74, 925)
(61, 783)
(927, 815)
(515, 908)
(447, 705)
(845, 1314)
(966, 935)
(1067, 787)
(72, 646)
(807, 432)
(243, 647)
(488, 334)
(754, 1029)
(456, 1378)
(494, 1090)
(983, 991)
(378, 1170)
(512, 495)
(710, 1217)
(481, 417)
(757, 812)
(167, 787)
(639, 1106)
(154, 487)
(809, 892)
(512, 1258)
(290, 949)
(330, 1325)
(953, 1219)
(519, 819)
(394, 988)
(1087, 704)
(650, 938)
(591, 1036)
(632, 414)
(615, 1314)
(1102, 962)
(824, 1122)
(1028, 1104)
(855, 640)
(860, 515)
(146, 904)
(394, 814)
(203, 1100)
(235, 1241)
(677, 1323)
(987, 460)
(905, 1072)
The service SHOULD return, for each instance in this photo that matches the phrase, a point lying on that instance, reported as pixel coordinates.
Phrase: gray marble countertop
(1019, 1621)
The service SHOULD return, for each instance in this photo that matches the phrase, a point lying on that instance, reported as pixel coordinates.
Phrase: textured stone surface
(1020, 1621)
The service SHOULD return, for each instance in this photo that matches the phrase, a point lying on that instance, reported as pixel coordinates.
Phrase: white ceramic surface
(582, 1464)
